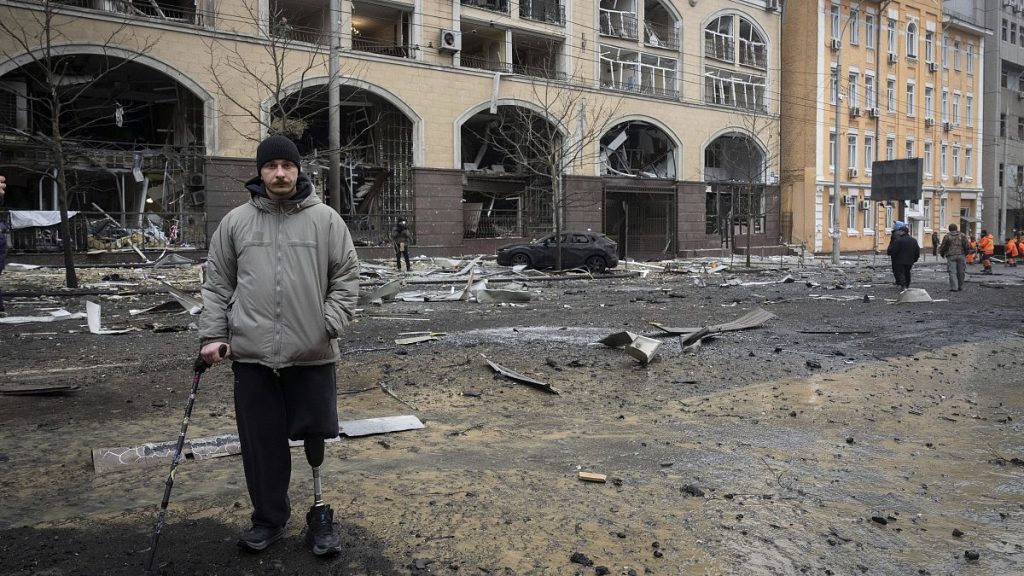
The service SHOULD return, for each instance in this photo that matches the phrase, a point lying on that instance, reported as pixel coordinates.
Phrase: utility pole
(334, 108)
(1006, 175)
(834, 213)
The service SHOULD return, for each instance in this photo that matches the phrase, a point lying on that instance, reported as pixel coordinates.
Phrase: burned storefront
(638, 161)
(132, 139)
(736, 196)
(508, 157)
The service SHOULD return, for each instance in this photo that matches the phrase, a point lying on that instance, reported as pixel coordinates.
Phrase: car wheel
(596, 264)
(520, 259)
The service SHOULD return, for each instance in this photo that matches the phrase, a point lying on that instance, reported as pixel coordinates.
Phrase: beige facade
(910, 86)
(690, 86)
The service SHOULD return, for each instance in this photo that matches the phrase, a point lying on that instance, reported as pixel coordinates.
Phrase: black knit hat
(277, 147)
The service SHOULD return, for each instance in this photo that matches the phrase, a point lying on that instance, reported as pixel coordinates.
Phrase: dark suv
(579, 249)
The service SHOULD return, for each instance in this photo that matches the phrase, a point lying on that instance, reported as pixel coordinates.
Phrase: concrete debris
(494, 296)
(752, 319)
(407, 338)
(519, 377)
(618, 340)
(643, 349)
(193, 305)
(93, 312)
(60, 314)
(911, 295)
(169, 306)
(36, 389)
(386, 292)
(154, 453)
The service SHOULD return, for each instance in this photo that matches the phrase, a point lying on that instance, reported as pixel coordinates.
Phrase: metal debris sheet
(752, 319)
(519, 377)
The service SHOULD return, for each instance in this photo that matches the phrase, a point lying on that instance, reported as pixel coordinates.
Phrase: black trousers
(902, 274)
(271, 407)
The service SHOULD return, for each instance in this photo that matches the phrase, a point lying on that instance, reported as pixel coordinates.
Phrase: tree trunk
(71, 278)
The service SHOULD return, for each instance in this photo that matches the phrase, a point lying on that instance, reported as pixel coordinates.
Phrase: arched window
(912, 40)
(736, 61)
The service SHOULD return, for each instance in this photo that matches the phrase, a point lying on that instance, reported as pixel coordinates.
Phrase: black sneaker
(320, 531)
(258, 538)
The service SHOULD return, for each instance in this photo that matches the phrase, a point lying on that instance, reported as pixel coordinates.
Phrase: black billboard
(897, 179)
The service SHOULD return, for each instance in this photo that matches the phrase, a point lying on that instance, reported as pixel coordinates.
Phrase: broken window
(633, 71)
(619, 68)
(618, 18)
(380, 30)
(718, 41)
(734, 89)
(639, 150)
(661, 29)
(753, 49)
(299, 22)
(658, 76)
(739, 87)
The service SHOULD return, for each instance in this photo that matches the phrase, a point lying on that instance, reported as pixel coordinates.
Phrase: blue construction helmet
(899, 225)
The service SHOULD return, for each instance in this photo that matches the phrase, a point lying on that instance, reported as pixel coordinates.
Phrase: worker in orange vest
(1012, 251)
(986, 247)
(973, 249)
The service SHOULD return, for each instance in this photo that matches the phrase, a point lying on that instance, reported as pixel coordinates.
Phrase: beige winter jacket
(282, 280)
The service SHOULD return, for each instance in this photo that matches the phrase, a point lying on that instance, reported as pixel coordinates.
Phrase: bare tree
(546, 145)
(36, 37)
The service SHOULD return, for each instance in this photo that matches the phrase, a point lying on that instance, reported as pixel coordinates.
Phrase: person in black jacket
(401, 237)
(904, 252)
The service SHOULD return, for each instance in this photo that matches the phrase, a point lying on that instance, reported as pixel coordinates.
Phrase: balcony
(381, 30)
(618, 24)
(500, 6)
(491, 65)
(549, 11)
(372, 46)
(181, 12)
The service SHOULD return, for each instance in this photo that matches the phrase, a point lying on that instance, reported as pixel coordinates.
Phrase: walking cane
(198, 368)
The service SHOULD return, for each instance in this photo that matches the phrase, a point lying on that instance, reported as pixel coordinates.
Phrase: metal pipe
(334, 112)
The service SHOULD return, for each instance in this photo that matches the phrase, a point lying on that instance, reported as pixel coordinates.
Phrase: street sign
(896, 179)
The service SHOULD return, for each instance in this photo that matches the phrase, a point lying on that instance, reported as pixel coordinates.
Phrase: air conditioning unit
(451, 41)
(874, 113)
(929, 122)
(850, 200)
(958, 179)
(865, 205)
(933, 66)
(855, 111)
(893, 58)
(835, 43)
(197, 180)
(853, 174)
(947, 126)
(771, 5)
(197, 198)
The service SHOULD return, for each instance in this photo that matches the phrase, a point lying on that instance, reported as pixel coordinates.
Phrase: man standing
(935, 242)
(954, 249)
(401, 237)
(986, 247)
(282, 283)
(904, 252)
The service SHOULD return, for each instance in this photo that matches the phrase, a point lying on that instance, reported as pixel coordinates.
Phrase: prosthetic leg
(320, 518)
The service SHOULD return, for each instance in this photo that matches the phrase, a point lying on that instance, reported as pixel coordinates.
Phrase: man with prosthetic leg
(281, 285)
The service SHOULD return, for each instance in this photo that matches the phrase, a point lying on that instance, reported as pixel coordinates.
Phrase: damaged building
(160, 105)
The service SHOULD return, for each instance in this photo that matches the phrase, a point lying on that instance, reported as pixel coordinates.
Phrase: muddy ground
(892, 445)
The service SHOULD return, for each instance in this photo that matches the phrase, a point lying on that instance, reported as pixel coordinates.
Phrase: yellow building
(909, 86)
(665, 112)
